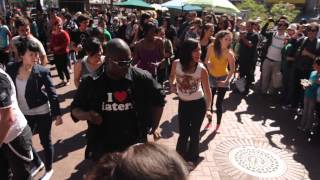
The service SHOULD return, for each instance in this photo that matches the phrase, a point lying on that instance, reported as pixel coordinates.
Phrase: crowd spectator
(309, 49)
(271, 68)
(89, 64)
(23, 27)
(310, 98)
(135, 164)
(5, 36)
(206, 39)
(248, 41)
(149, 51)
(80, 36)
(287, 65)
(59, 44)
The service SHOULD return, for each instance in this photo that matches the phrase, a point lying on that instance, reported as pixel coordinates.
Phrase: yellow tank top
(218, 66)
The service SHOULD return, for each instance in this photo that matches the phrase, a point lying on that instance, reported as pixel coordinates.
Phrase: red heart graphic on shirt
(120, 96)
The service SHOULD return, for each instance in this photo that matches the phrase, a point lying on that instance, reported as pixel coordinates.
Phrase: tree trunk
(310, 6)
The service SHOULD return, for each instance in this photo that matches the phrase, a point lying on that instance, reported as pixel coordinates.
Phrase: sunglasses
(282, 25)
(126, 63)
(312, 30)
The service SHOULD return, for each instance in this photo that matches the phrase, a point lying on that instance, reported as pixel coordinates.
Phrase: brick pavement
(253, 121)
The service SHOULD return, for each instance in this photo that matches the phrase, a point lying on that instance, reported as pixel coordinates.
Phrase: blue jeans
(42, 123)
(190, 115)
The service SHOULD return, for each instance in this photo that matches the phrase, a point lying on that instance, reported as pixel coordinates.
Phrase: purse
(240, 84)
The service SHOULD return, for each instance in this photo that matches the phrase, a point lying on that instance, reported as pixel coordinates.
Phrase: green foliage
(254, 9)
(286, 9)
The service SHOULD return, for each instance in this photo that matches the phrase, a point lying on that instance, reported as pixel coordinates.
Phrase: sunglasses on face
(282, 25)
(312, 30)
(125, 63)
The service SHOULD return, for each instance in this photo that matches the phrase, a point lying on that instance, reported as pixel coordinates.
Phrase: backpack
(304, 42)
(263, 46)
(299, 64)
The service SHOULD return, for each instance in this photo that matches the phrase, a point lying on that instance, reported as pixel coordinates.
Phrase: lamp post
(317, 10)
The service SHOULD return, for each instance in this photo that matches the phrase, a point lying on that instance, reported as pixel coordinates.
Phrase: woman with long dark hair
(220, 62)
(89, 64)
(149, 51)
(206, 39)
(189, 79)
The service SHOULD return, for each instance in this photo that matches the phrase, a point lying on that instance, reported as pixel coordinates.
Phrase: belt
(272, 60)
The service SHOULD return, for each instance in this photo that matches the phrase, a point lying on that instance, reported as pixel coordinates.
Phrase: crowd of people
(124, 65)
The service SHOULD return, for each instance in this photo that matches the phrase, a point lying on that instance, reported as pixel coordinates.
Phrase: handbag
(240, 84)
(318, 94)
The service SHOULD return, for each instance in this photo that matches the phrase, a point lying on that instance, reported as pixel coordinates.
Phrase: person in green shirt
(106, 33)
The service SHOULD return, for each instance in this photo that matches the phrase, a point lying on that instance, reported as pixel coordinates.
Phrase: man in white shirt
(23, 26)
(271, 68)
(15, 134)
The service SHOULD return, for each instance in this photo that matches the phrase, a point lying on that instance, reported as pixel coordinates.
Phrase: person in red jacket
(59, 45)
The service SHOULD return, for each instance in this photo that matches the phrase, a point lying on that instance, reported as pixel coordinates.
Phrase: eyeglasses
(126, 63)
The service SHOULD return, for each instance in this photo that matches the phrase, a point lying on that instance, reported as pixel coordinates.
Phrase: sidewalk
(257, 140)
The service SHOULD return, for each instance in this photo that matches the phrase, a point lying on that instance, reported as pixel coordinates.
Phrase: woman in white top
(189, 79)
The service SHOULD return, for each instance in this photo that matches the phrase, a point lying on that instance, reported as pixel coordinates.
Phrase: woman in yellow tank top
(220, 63)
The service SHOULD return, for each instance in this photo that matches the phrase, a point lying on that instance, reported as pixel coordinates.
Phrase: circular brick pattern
(243, 159)
(257, 162)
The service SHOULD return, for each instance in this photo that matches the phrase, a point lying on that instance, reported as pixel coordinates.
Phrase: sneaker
(47, 175)
(67, 83)
(62, 83)
(301, 128)
(36, 170)
(217, 128)
(286, 107)
(190, 166)
(300, 111)
(208, 126)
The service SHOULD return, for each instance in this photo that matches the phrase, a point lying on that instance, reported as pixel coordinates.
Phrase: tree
(254, 9)
(286, 9)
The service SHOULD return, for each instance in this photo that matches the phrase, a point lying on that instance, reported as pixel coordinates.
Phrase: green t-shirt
(107, 34)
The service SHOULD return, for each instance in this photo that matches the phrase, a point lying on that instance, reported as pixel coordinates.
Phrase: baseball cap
(293, 27)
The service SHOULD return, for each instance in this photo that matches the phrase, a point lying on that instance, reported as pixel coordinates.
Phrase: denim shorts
(213, 81)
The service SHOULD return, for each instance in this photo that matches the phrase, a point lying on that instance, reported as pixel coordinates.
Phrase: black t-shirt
(79, 37)
(171, 33)
(5, 91)
(246, 53)
(304, 62)
(112, 99)
(122, 32)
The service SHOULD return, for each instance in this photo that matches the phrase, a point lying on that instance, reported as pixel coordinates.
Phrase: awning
(289, 1)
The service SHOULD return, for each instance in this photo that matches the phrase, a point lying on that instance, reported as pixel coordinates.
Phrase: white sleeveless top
(189, 84)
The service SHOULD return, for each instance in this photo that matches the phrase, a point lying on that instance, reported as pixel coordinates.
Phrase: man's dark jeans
(299, 74)
(190, 115)
(42, 123)
(61, 61)
(4, 57)
(246, 69)
(17, 154)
